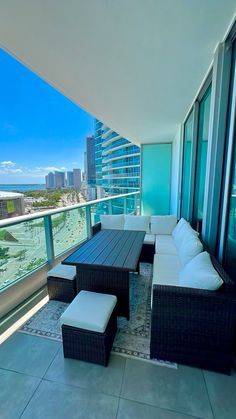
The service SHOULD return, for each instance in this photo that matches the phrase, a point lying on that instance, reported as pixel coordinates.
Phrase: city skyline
(38, 125)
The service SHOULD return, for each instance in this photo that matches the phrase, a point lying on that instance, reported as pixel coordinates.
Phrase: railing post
(125, 205)
(88, 221)
(135, 204)
(49, 238)
(109, 207)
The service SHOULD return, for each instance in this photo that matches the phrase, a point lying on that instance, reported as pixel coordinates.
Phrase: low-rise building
(11, 204)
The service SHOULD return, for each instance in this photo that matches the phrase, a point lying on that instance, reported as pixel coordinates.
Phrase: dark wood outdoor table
(103, 264)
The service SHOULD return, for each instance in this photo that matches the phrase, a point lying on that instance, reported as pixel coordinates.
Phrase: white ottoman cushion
(200, 273)
(90, 311)
(112, 222)
(63, 271)
(137, 222)
(163, 224)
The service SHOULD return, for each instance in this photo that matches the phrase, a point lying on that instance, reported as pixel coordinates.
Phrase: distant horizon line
(35, 183)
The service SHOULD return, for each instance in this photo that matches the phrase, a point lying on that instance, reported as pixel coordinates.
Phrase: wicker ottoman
(89, 326)
(61, 283)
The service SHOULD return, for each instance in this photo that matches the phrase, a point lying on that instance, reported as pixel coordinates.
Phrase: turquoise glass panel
(22, 250)
(202, 144)
(97, 210)
(117, 206)
(187, 153)
(156, 179)
(69, 229)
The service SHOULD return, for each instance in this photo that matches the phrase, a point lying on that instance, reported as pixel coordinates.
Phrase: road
(31, 239)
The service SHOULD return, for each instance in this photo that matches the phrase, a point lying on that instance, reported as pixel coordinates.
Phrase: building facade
(70, 179)
(90, 161)
(50, 181)
(77, 178)
(60, 180)
(117, 162)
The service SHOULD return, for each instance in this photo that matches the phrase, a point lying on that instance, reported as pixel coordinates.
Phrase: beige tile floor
(37, 382)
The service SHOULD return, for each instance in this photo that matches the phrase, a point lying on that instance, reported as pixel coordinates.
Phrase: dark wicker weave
(96, 228)
(107, 281)
(89, 346)
(61, 289)
(194, 327)
(147, 253)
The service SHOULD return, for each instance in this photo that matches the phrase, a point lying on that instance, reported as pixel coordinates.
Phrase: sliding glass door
(202, 144)
(186, 174)
(230, 237)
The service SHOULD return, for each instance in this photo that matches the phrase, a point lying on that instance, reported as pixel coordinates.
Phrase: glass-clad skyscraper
(117, 162)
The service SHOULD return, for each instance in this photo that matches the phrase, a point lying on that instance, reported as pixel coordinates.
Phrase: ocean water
(22, 187)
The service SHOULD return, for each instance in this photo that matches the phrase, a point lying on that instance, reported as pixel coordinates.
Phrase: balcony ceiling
(134, 64)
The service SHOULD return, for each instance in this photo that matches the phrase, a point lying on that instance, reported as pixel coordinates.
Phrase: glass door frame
(229, 163)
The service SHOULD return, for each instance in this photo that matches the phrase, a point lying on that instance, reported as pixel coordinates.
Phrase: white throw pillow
(184, 233)
(189, 248)
(178, 227)
(200, 273)
(163, 224)
(112, 222)
(137, 222)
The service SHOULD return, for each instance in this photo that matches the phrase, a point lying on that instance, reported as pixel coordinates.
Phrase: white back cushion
(112, 222)
(185, 232)
(137, 222)
(200, 273)
(163, 224)
(189, 248)
(178, 227)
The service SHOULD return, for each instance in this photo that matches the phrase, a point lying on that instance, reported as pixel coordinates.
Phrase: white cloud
(7, 163)
(49, 169)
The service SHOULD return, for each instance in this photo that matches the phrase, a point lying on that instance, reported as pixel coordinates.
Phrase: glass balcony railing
(28, 242)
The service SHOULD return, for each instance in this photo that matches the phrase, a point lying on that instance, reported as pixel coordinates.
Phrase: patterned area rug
(133, 336)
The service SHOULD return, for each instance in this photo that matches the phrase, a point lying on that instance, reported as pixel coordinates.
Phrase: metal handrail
(36, 215)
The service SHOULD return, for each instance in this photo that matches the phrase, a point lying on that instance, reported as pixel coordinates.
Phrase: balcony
(32, 243)
(170, 87)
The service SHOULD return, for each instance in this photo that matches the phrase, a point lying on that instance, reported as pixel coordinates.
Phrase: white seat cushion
(165, 245)
(166, 269)
(137, 222)
(90, 311)
(163, 224)
(149, 239)
(63, 271)
(112, 222)
(190, 247)
(200, 273)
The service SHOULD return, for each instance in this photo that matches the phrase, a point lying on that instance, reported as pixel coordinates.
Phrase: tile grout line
(123, 377)
(41, 380)
(56, 353)
(30, 398)
(163, 408)
(207, 392)
(122, 381)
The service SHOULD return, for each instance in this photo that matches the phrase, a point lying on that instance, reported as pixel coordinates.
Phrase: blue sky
(40, 129)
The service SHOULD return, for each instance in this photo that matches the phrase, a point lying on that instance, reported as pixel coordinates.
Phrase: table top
(111, 249)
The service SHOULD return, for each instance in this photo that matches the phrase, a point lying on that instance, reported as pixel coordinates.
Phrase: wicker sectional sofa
(193, 305)
(192, 320)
